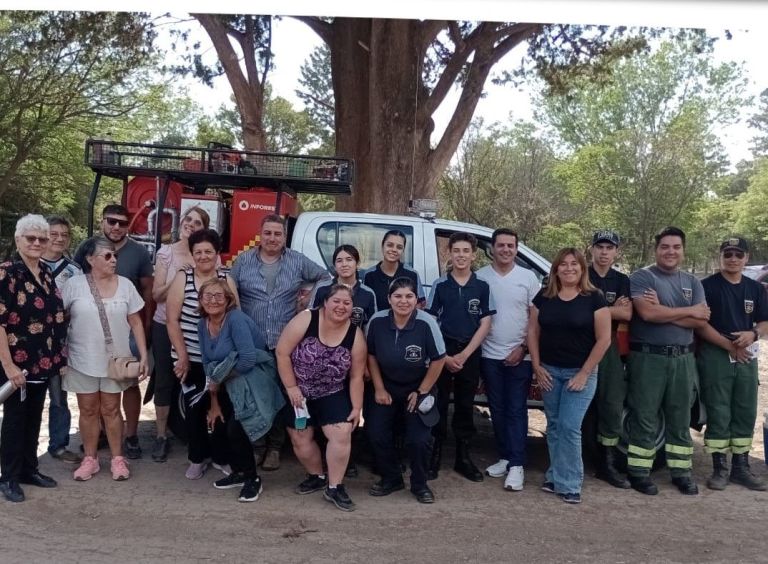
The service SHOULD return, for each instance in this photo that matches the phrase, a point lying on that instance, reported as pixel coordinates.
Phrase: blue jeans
(59, 417)
(565, 411)
(507, 390)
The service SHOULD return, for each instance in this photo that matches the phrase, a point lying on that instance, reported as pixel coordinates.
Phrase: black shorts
(326, 410)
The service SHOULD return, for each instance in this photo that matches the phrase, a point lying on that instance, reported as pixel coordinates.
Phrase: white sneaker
(514, 479)
(498, 469)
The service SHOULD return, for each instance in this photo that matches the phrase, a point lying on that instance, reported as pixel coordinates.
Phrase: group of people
(255, 364)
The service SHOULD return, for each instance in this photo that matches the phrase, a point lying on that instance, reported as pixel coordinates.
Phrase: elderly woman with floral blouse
(32, 337)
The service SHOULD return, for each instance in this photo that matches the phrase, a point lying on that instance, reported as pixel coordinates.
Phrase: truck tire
(590, 448)
(661, 457)
(176, 418)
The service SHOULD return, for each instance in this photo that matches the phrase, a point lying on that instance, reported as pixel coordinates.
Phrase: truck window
(484, 254)
(366, 237)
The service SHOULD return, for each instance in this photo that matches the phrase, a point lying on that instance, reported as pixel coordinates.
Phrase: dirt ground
(159, 516)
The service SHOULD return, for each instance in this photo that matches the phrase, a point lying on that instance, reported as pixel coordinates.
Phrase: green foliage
(644, 147)
(760, 122)
(318, 98)
(503, 176)
(751, 212)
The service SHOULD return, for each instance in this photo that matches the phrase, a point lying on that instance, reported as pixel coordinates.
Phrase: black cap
(736, 243)
(606, 236)
(432, 415)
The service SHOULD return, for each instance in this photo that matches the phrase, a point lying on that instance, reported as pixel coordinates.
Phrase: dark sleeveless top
(322, 370)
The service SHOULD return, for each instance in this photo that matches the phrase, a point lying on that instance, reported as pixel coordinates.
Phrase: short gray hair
(31, 222)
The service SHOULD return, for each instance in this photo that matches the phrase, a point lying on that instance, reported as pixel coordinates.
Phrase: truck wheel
(661, 457)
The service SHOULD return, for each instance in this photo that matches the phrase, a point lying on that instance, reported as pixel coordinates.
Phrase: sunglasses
(112, 221)
(32, 238)
(109, 255)
(731, 254)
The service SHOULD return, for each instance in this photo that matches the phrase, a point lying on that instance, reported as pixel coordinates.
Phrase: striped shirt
(273, 310)
(189, 316)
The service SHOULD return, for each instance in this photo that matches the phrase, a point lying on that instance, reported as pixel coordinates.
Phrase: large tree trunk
(384, 111)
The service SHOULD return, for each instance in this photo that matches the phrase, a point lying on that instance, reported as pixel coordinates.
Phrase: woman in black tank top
(321, 358)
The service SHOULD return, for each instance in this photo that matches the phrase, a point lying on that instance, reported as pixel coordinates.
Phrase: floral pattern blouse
(32, 314)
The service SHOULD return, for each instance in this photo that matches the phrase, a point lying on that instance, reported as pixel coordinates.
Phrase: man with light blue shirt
(268, 279)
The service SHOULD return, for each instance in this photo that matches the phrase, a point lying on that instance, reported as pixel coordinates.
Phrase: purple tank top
(322, 370)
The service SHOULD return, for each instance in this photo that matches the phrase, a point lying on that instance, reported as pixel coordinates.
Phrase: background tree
(644, 143)
(62, 70)
(317, 94)
(504, 176)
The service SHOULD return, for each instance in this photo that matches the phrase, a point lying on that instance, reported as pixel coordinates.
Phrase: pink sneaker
(119, 467)
(88, 467)
(196, 471)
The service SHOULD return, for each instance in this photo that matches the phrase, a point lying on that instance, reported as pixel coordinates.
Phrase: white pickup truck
(317, 234)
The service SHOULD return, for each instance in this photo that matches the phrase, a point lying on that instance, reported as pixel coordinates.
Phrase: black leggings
(239, 447)
(202, 445)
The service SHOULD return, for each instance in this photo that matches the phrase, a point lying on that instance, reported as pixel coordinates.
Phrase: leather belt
(665, 350)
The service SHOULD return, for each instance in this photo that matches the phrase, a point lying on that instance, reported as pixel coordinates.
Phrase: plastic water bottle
(300, 422)
(6, 390)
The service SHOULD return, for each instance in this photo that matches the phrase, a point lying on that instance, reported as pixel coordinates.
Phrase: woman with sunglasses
(97, 394)
(170, 260)
(32, 337)
(182, 317)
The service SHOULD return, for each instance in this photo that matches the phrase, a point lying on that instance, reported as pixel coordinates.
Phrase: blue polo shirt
(379, 282)
(404, 354)
(363, 300)
(458, 308)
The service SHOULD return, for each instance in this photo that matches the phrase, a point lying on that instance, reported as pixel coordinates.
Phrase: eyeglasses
(112, 221)
(109, 255)
(32, 238)
(59, 235)
(219, 297)
(731, 254)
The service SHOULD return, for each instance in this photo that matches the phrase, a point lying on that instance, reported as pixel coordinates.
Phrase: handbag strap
(102, 315)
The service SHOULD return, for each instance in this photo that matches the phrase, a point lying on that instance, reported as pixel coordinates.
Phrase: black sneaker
(234, 480)
(12, 491)
(132, 448)
(570, 497)
(160, 449)
(339, 497)
(313, 483)
(251, 490)
(548, 487)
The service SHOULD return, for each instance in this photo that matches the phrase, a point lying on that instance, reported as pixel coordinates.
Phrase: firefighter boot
(609, 472)
(686, 485)
(464, 464)
(740, 473)
(719, 478)
(644, 485)
(434, 459)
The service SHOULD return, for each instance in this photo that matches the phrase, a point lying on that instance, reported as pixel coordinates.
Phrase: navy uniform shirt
(735, 307)
(363, 300)
(403, 354)
(614, 285)
(379, 282)
(459, 309)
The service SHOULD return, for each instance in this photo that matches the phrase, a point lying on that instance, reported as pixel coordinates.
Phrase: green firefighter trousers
(611, 393)
(729, 393)
(660, 383)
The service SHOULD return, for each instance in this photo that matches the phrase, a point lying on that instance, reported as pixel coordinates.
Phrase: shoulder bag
(119, 368)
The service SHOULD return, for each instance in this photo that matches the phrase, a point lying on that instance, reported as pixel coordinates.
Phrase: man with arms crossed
(135, 264)
(269, 278)
(727, 365)
(669, 304)
(506, 374)
(612, 380)
(461, 303)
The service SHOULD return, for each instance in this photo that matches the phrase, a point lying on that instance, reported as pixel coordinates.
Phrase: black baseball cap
(735, 243)
(606, 236)
(430, 416)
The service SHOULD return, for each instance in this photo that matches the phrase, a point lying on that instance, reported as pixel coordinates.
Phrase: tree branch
(321, 28)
